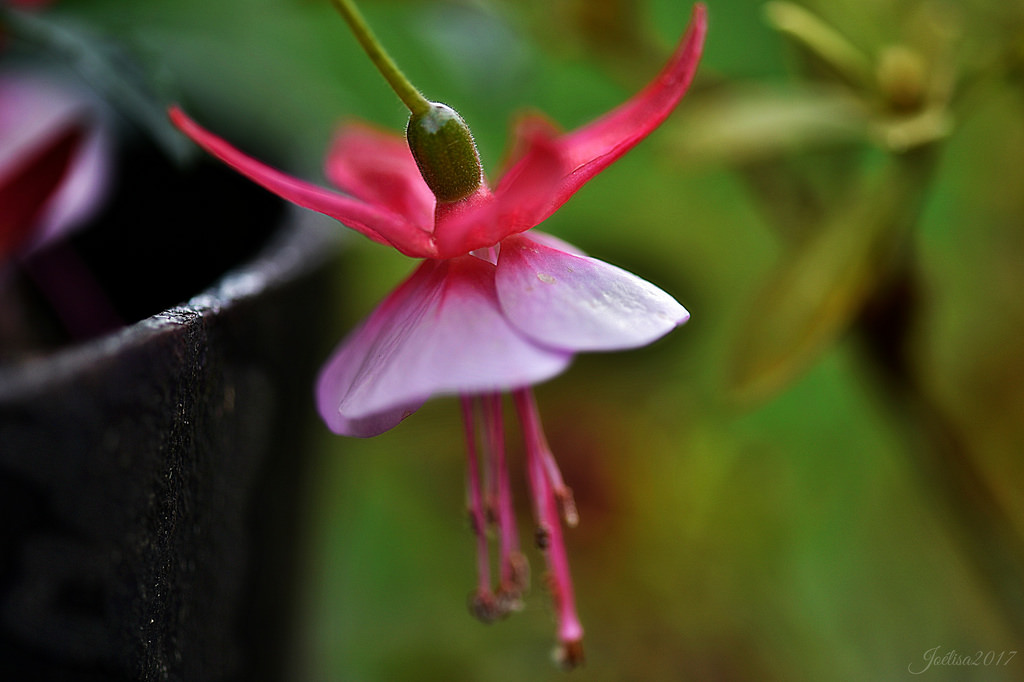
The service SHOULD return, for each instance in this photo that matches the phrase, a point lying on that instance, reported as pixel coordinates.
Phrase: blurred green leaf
(817, 292)
(750, 123)
(825, 49)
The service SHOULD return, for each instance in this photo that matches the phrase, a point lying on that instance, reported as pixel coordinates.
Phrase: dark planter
(151, 479)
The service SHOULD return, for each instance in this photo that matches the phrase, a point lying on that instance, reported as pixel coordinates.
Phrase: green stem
(406, 91)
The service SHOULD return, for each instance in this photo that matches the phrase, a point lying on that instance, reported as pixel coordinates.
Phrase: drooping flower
(491, 309)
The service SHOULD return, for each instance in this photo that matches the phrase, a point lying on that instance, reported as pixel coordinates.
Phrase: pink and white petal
(376, 166)
(553, 242)
(520, 201)
(590, 149)
(53, 159)
(378, 222)
(578, 303)
(29, 186)
(84, 189)
(31, 106)
(441, 332)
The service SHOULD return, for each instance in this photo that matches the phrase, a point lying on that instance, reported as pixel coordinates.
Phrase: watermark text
(938, 657)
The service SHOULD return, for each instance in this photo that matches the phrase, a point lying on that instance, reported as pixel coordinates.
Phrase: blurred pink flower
(53, 162)
(30, 4)
(491, 309)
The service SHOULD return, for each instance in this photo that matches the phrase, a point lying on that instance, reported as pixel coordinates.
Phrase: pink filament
(513, 564)
(546, 500)
(483, 599)
(551, 499)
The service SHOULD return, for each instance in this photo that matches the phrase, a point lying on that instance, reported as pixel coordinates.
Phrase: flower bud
(903, 78)
(445, 152)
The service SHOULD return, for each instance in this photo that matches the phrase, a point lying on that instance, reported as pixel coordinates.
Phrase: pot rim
(302, 243)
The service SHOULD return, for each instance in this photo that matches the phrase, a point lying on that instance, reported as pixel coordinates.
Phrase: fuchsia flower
(491, 309)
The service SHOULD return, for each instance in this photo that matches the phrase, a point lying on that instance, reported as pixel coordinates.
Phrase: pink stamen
(547, 503)
(515, 576)
(483, 603)
(570, 630)
(566, 501)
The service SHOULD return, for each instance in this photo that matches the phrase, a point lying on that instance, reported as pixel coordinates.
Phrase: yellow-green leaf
(821, 287)
(750, 123)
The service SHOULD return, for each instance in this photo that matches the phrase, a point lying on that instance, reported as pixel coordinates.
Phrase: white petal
(578, 303)
(441, 332)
